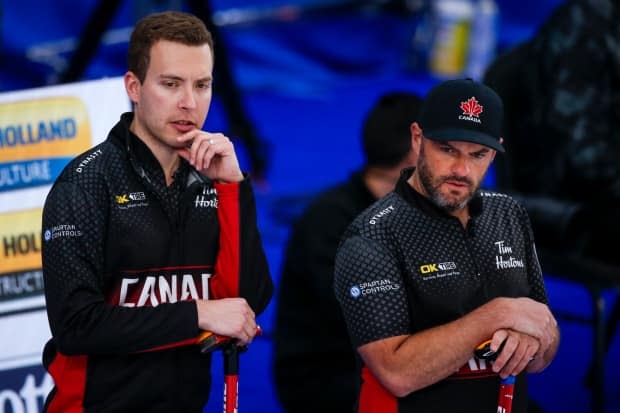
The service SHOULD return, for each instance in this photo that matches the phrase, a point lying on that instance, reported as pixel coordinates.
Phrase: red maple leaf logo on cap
(471, 107)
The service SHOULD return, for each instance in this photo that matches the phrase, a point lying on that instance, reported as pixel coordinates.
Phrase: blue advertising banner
(23, 390)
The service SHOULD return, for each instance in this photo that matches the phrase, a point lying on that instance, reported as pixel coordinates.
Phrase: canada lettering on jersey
(139, 290)
(475, 368)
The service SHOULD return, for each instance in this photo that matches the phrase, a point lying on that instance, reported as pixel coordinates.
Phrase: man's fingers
(518, 351)
(201, 155)
(205, 147)
(510, 345)
(518, 362)
(188, 136)
(513, 362)
(525, 360)
(248, 327)
(248, 333)
(498, 338)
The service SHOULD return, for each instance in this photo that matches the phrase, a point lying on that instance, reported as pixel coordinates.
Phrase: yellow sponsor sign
(20, 241)
(43, 128)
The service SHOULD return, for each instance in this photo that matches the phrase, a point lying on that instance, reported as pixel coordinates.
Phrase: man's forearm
(405, 364)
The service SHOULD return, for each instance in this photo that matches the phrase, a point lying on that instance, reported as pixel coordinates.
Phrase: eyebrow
(179, 78)
(482, 151)
(170, 77)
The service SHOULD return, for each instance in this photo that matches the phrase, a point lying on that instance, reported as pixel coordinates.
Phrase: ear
(416, 137)
(132, 86)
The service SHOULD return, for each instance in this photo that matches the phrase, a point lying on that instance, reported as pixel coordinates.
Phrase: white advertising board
(41, 130)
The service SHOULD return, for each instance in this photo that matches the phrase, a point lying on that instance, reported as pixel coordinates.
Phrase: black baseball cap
(463, 110)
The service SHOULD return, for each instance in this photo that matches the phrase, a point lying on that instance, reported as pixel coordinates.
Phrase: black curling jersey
(404, 266)
(124, 256)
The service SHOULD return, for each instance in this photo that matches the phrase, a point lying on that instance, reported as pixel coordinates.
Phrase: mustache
(455, 178)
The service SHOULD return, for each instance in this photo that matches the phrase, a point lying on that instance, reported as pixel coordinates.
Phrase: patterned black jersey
(404, 266)
(124, 256)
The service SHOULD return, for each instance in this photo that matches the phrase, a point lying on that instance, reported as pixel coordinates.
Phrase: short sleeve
(534, 272)
(369, 287)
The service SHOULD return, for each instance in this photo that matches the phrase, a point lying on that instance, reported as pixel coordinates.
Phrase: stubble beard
(431, 185)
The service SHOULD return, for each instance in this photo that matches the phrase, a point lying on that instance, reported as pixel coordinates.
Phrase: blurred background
(293, 83)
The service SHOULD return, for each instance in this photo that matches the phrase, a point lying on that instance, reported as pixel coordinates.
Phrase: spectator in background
(562, 133)
(315, 368)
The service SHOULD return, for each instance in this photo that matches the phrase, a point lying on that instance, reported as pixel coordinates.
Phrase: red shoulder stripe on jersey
(69, 374)
(226, 281)
(374, 397)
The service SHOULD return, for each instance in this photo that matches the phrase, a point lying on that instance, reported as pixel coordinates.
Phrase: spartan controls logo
(471, 110)
(61, 231)
(373, 287)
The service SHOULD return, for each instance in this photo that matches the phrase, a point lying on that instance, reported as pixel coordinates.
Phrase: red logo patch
(471, 107)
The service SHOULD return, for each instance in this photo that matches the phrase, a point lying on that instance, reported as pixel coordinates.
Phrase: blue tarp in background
(294, 55)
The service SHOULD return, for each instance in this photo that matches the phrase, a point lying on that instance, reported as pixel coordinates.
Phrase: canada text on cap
(463, 110)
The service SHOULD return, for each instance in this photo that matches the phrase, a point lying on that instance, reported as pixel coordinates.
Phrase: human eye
(204, 85)
(446, 148)
(170, 83)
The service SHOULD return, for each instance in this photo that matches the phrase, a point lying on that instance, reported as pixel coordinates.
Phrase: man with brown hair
(149, 239)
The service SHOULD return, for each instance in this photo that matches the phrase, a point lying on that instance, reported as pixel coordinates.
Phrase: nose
(461, 166)
(187, 99)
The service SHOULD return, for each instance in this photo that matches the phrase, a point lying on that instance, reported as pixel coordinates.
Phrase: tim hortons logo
(471, 110)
